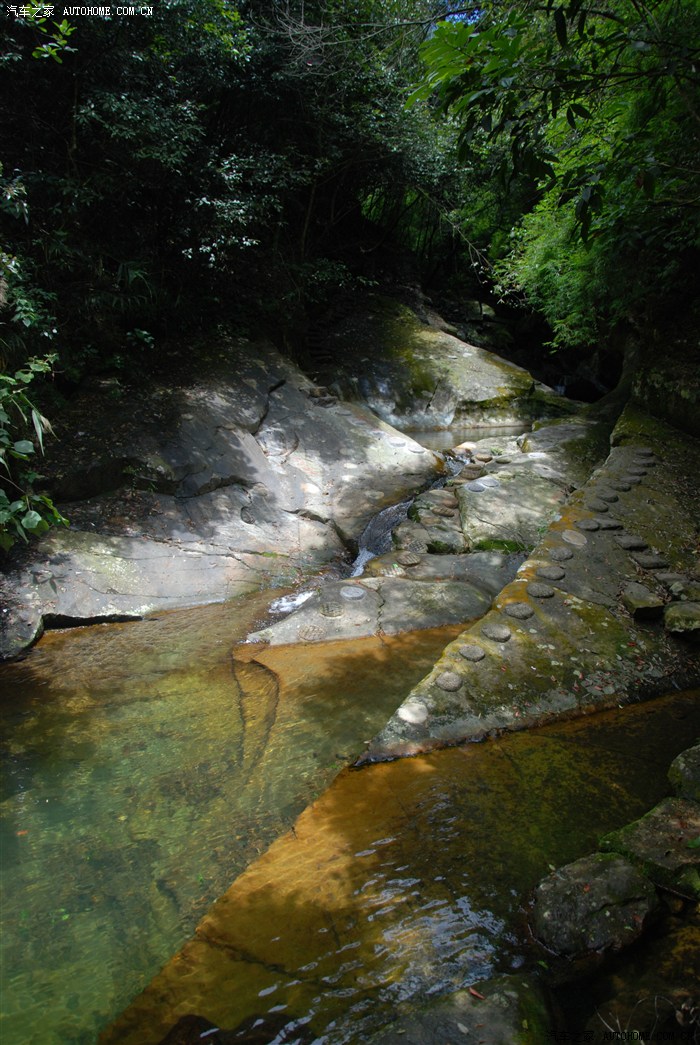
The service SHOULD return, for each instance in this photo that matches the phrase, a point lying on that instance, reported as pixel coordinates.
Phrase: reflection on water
(463, 434)
(144, 767)
(412, 878)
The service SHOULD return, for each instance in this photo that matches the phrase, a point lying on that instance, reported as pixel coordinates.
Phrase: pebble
(561, 554)
(519, 610)
(645, 451)
(540, 591)
(551, 573)
(610, 524)
(354, 592)
(395, 441)
(311, 633)
(607, 495)
(632, 480)
(449, 680)
(621, 485)
(472, 471)
(587, 524)
(572, 537)
(485, 458)
(631, 543)
(473, 653)
(413, 713)
(646, 462)
(650, 560)
(331, 608)
(596, 505)
(408, 558)
(489, 482)
(443, 511)
(636, 470)
(497, 632)
(247, 516)
(476, 486)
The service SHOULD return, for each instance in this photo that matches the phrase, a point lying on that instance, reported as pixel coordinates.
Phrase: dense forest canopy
(249, 163)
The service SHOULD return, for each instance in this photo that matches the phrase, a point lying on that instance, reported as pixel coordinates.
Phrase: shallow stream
(147, 764)
(143, 767)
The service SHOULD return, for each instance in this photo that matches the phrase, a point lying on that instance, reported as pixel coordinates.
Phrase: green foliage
(23, 512)
(599, 105)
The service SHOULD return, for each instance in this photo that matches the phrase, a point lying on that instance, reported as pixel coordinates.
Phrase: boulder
(665, 844)
(416, 374)
(598, 904)
(683, 619)
(684, 774)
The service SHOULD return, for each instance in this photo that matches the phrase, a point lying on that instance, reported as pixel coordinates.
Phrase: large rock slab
(415, 374)
(238, 477)
(559, 639)
(377, 606)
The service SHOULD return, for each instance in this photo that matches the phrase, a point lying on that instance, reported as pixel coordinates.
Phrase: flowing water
(409, 879)
(147, 764)
(144, 767)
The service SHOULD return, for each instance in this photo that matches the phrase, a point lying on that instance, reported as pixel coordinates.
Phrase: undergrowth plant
(23, 511)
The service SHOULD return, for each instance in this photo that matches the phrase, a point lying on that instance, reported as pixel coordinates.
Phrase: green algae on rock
(664, 843)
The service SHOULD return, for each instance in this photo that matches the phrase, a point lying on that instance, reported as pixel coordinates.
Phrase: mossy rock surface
(665, 844)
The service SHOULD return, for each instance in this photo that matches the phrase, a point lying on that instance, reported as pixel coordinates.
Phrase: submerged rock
(500, 1011)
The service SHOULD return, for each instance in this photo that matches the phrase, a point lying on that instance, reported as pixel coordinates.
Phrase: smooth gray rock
(233, 481)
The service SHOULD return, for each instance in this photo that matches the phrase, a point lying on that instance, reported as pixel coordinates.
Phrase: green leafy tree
(600, 104)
